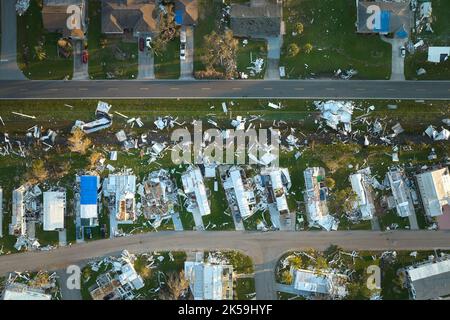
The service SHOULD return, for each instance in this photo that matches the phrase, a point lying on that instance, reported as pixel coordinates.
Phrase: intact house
(277, 182)
(385, 17)
(429, 280)
(63, 16)
(196, 192)
(209, 281)
(88, 200)
(129, 17)
(260, 21)
(316, 196)
(319, 284)
(120, 190)
(363, 190)
(239, 192)
(186, 12)
(401, 193)
(26, 208)
(434, 190)
(54, 210)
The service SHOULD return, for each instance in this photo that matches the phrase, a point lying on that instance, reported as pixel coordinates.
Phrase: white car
(183, 51)
(183, 36)
(148, 42)
(402, 52)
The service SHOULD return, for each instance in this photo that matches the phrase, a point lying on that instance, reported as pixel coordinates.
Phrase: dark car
(141, 44)
(85, 56)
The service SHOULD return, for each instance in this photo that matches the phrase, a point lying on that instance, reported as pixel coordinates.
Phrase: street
(264, 248)
(255, 89)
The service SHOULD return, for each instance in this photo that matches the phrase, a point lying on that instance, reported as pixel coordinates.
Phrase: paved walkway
(273, 58)
(264, 248)
(187, 65)
(66, 293)
(398, 63)
(8, 62)
(80, 69)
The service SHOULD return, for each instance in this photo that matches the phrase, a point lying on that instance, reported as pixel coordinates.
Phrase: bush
(293, 50)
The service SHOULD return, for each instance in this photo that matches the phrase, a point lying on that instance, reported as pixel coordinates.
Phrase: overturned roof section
(430, 280)
(365, 201)
(384, 17)
(256, 21)
(18, 291)
(123, 187)
(193, 184)
(311, 283)
(138, 16)
(54, 208)
(401, 193)
(186, 12)
(434, 187)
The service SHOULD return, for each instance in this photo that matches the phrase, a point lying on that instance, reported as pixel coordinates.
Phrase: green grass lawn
(104, 51)
(254, 49)
(167, 64)
(29, 33)
(329, 26)
(244, 289)
(440, 37)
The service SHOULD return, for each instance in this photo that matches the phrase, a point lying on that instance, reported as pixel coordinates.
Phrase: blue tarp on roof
(179, 17)
(88, 186)
(402, 34)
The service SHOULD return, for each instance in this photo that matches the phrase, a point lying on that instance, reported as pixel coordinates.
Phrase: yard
(440, 37)
(167, 63)
(110, 57)
(247, 53)
(329, 26)
(37, 49)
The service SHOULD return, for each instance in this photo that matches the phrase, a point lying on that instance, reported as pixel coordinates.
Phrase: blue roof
(402, 33)
(88, 185)
(385, 21)
(179, 16)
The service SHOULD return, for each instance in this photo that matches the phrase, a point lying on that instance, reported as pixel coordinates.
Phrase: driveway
(8, 62)
(398, 63)
(80, 69)
(273, 58)
(187, 65)
(146, 63)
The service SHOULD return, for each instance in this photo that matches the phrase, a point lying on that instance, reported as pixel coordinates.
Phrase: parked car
(183, 51)
(84, 56)
(148, 42)
(141, 44)
(403, 52)
(183, 36)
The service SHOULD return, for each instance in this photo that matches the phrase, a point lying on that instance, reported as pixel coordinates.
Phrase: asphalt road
(264, 248)
(289, 89)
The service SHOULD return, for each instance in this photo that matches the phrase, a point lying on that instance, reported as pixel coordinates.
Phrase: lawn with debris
(329, 26)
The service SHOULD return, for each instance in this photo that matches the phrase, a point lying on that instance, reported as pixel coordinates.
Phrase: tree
(293, 50)
(296, 262)
(38, 171)
(167, 29)
(176, 286)
(343, 201)
(321, 263)
(286, 277)
(299, 28)
(307, 48)
(78, 142)
(94, 158)
(330, 183)
(221, 52)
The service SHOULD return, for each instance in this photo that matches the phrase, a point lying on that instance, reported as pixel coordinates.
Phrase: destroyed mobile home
(31, 286)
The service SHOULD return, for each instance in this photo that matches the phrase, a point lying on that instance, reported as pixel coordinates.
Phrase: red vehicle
(84, 56)
(141, 44)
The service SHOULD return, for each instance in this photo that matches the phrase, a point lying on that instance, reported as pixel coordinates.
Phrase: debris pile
(31, 286)
(444, 134)
(335, 113)
(22, 6)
